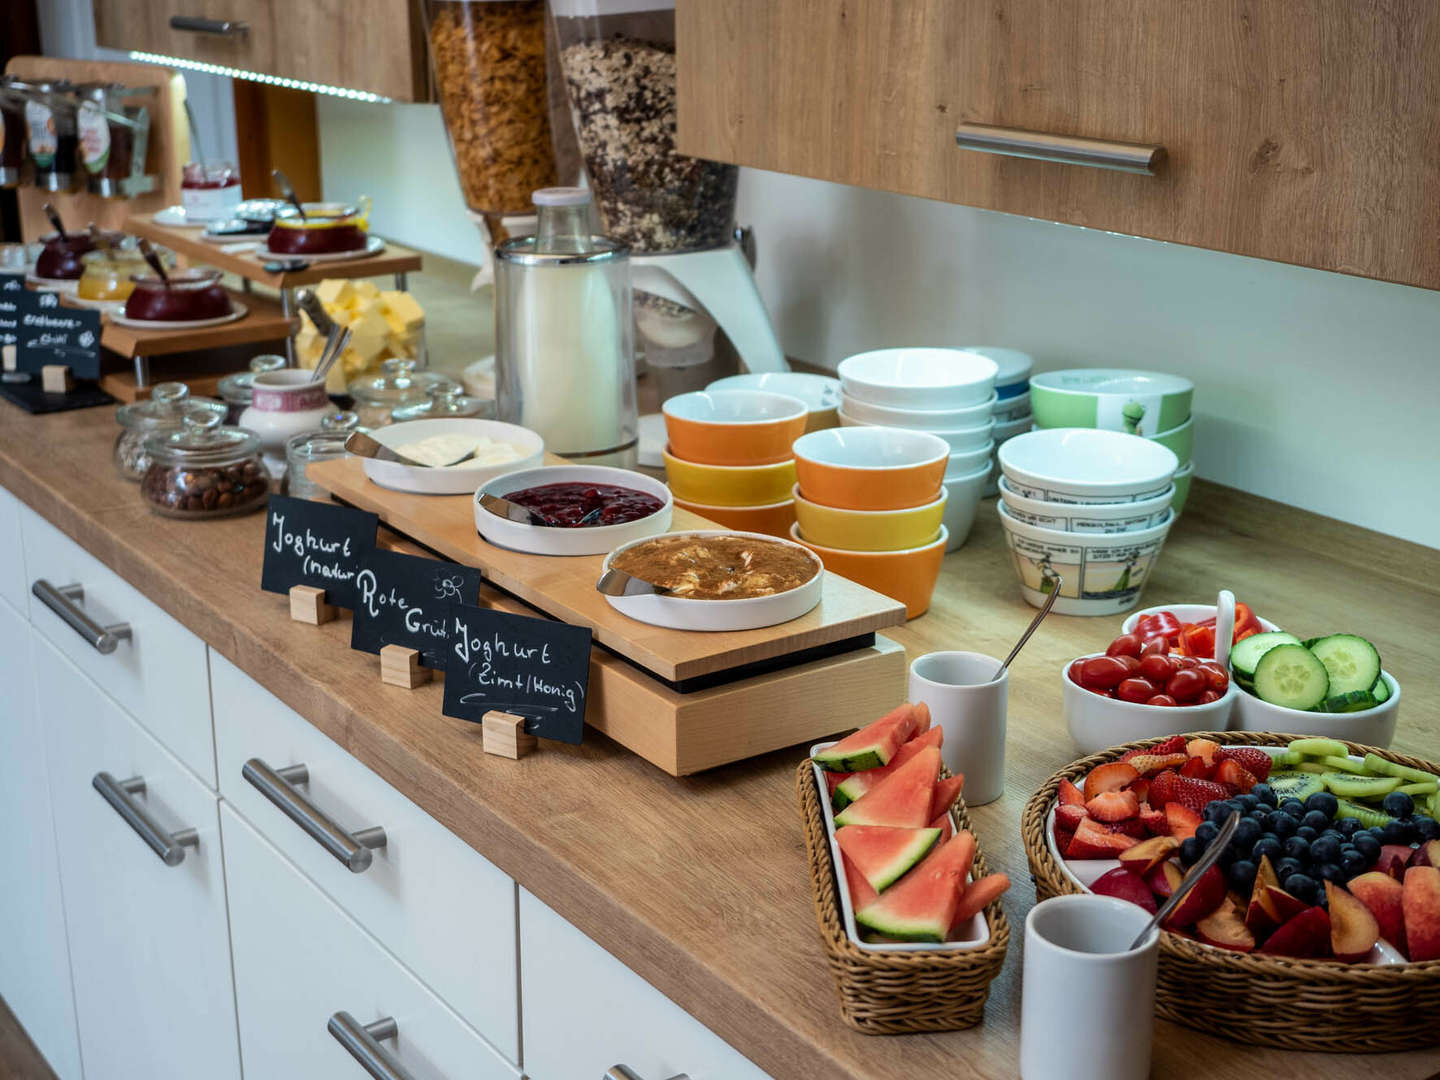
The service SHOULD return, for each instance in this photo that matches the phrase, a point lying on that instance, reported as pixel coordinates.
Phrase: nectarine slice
(1421, 903)
(1353, 930)
(1148, 854)
(1382, 894)
(1225, 929)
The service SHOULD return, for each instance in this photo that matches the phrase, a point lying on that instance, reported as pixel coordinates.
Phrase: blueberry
(1264, 793)
(1347, 826)
(1227, 857)
(1398, 804)
(1285, 867)
(1246, 833)
(1296, 847)
(1367, 845)
(1333, 834)
(1267, 846)
(1331, 872)
(1323, 801)
(1241, 876)
(1294, 807)
(1281, 824)
(1302, 887)
(1352, 862)
(1426, 827)
(1398, 832)
(1306, 833)
(1235, 804)
(1206, 831)
(1316, 819)
(1325, 850)
(1216, 811)
(1191, 848)
(1247, 801)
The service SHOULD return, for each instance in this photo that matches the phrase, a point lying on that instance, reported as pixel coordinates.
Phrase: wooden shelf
(265, 321)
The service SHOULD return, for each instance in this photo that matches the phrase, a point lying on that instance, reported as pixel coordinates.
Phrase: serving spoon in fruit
(1189, 881)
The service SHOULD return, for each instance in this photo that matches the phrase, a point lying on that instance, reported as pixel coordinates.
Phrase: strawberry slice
(1198, 768)
(1182, 820)
(1155, 821)
(1069, 817)
(1149, 764)
(1070, 794)
(1232, 772)
(1197, 794)
(1251, 758)
(1111, 806)
(1141, 788)
(1111, 776)
(1093, 841)
(1173, 745)
(1129, 827)
(1163, 788)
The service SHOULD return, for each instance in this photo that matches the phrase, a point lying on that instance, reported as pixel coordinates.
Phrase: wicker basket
(897, 993)
(1266, 1000)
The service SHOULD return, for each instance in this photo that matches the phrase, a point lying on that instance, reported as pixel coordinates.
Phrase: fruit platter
(1328, 890)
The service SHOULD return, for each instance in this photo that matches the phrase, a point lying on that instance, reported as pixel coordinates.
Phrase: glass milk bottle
(565, 353)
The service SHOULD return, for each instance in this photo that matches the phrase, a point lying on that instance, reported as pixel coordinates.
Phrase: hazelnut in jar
(204, 470)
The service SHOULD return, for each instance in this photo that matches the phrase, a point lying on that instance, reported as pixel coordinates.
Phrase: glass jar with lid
(397, 385)
(447, 402)
(106, 275)
(238, 390)
(303, 450)
(204, 469)
(164, 411)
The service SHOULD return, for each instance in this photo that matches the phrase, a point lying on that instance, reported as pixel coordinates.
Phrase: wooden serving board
(565, 587)
(264, 321)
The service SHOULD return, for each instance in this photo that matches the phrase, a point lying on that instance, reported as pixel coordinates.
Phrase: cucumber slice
(1293, 677)
(1344, 764)
(1367, 817)
(1353, 701)
(1381, 690)
(1352, 662)
(1294, 785)
(1380, 766)
(1320, 748)
(1419, 788)
(1247, 653)
(1349, 786)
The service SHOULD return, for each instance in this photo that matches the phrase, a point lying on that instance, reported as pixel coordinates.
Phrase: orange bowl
(734, 427)
(907, 576)
(871, 468)
(773, 520)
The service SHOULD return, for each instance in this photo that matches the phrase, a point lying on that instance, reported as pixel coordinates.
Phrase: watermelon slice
(976, 895)
(946, 827)
(861, 894)
(882, 854)
(857, 784)
(902, 799)
(946, 792)
(834, 779)
(922, 905)
(873, 745)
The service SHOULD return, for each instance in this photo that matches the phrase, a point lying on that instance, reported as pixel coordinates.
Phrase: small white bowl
(1373, 727)
(1086, 465)
(749, 613)
(592, 540)
(1096, 722)
(1007, 410)
(1186, 613)
(963, 419)
(919, 378)
(1102, 575)
(821, 393)
(964, 462)
(871, 447)
(458, 479)
(1010, 428)
(1015, 367)
(960, 439)
(734, 406)
(1100, 518)
(962, 500)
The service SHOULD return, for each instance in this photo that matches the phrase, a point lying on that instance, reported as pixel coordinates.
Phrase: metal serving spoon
(1035, 622)
(54, 217)
(618, 583)
(363, 445)
(150, 256)
(288, 190)
(1207, 860)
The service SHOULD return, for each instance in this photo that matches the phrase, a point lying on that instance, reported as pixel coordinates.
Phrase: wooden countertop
(699, 884)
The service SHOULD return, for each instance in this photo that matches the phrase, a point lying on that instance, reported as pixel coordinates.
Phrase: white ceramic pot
(1096, 722)
(285, 403)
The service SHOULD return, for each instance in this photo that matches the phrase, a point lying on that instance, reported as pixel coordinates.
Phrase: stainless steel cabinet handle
(363, 1042)
(65, 602)
(199, 25)
(120, 794)
(1066, 149)
(624, 1072)
(278, 785)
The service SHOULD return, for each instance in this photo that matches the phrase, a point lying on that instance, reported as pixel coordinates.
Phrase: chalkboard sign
(51, 334)
(405, 600)
(315, 543)
(535, 668)
(12, 287)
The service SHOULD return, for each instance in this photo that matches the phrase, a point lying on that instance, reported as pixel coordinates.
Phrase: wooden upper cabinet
(373, 45)
(1305, 131)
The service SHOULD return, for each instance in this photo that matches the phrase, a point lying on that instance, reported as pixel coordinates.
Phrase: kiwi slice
(1428, 787)
(1319, 748)
(1344, 764)
(1312, 767)
(1294, 785)
(1285, 759)
(1367, 817)
(1349, 786)
(1380, 766)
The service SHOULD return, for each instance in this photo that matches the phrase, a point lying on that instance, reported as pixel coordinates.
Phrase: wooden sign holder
(56, 379)
(503, 734)
(308, 605)
(400, 666)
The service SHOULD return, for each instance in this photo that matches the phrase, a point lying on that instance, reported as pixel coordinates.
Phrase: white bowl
(965, 462)
(1010, 428)
(960, 439)
(458, 479)
(1086, 465)
(1014, 367)
(750, 613)
(1091, 518)
(962, 499)
(971, 416)
(919, 378)
(820, 393)
(1102, 575)
(734, 406)
(1373, 727)
(1007, 410)
(871, 447)
(1096, 722)
(593, 540)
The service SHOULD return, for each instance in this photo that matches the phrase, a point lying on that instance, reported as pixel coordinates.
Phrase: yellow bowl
(907, 576)
(772, 520)
(869, 530)
(729, 485)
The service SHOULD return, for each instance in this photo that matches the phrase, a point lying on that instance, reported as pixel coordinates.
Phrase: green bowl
(1138, 402)
(1182, 488)
(1181, 440)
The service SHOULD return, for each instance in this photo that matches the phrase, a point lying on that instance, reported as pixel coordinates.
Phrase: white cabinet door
(13, 585)
(149, 942)
(34, 959)
(584, 1011)
(299, 960)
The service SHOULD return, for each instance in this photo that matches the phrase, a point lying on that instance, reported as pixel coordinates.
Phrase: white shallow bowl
(964, 462)
(921, 419)
(749, 613)
(1014, 367)
(596, 540)
(1007, 410)
(960, 439)
(1086, 465)
(1010, 428)
(734, 406)
(871, 447)
(460, 479)
(962, 500)
(1096, 722)
(821, 393)
(1103, 575)
(1374, 727)
(1091, 518)
(919, 378)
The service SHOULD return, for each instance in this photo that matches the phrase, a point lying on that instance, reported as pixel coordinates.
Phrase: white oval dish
(593, 540)
(748, 613)
(1086, 465)
(919, 378)
(1097, 518)
(457, 479)
(1096, 722)
(958, 419)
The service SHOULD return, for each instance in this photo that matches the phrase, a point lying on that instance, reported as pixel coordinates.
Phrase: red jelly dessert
(569, 506)
(60, 259)
(327, 228)
(191, 295)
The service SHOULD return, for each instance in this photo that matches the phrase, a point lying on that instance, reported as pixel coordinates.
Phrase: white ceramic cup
(1087, 1009)
(970, 708)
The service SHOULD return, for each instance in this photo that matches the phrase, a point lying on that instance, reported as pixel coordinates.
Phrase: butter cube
(366, 290)
(401, 311)
(336, 292)
(369, 332)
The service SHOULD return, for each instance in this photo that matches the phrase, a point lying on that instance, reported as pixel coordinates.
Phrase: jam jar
(107, 274)
(326, 229)
(305, 449)
(162, 413)
(209, 191)
(59, 259)
(397, 385)
(447, 402)
(190, 296)
(238, 390)
(204, 470)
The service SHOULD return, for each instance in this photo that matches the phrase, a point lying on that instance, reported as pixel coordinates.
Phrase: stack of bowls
(1149, 403)
(1091, 506)
(729, 456)
(948, 393)
(871, 502)
(1012, 400)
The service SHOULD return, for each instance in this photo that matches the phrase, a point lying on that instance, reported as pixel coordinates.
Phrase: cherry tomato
(1186, 685)
(1156, 646)
(1124, 645)
(1207, 697)
(1074, 672)
(1132, 665)
(1158, 668)
(1187, 661)
(1162, 699)
(1215, 675)
(1137, 690)
(1104, 672)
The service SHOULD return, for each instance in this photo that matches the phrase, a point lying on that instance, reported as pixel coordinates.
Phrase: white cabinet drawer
(586, 1011)
(440, 907)
(149, 940)
(13, 586)
(299, 960)
(158, 675)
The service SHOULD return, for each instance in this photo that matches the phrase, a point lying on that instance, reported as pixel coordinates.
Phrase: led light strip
(255, 76)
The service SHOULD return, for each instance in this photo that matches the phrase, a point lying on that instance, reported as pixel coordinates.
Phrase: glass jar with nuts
(204, 470)
(161, 413)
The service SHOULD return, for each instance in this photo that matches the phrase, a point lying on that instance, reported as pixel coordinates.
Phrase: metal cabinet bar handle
(1066, 149)
(65, 602)
(278, 785)
(624, 1072)
(120, 794)
(363, 1042)
(198, 24)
